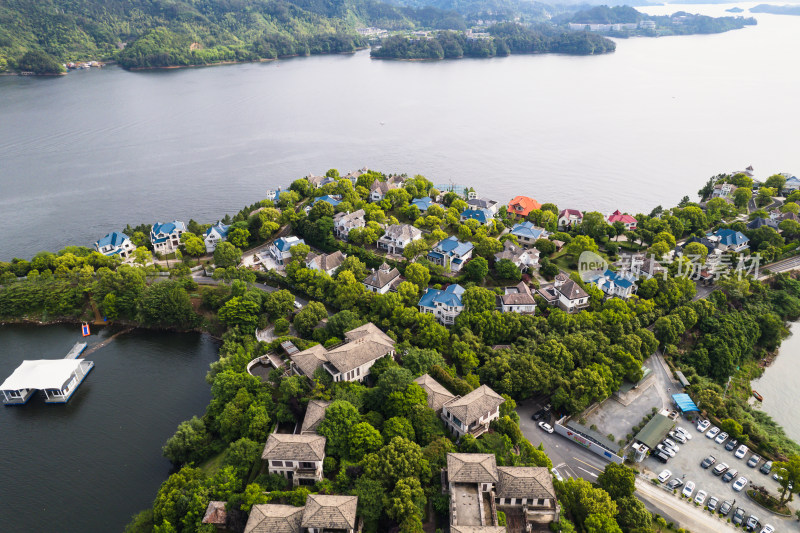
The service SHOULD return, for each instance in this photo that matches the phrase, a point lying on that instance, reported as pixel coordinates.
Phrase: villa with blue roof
(215, 235)
(115, 243)
(422, 203)
(792, 183)
(281, 249)
(620, 284)
(528, 233)
(484, 216)
(166, 237)
(452, 251)
(728, 240)
(445, 305)
(333, 200)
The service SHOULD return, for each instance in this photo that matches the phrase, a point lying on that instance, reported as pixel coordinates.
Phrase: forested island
(501, 40)
(626, 21)
(384, 444)
(776, 10)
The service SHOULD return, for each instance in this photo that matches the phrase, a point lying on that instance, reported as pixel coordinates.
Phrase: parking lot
(686, 466)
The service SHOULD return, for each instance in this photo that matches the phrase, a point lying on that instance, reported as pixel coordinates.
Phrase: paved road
(571, 460)
(674, 509)
(784, 265)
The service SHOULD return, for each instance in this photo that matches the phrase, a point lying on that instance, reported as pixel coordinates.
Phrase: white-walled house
(472, 413)
(569, 217)
(378, 190)
(281, 249)
(298, 458)
(350, 361)
(517, 299)
(397, 237)
(451, 251)
(166, 237)
(115, 243)
(344, 222)
(215, 235)
(527, 233)
(327, 263)
(572, 297)
(620, 284)
(445, 305)
(382, 280)
(524, 258)
(322, 513)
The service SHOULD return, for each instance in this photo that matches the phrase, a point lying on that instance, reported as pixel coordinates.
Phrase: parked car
(666, 450)
(539, 414)
(556, 474)
(725, 508)
(731, 444)
(659, 456)
(701, 497)
(721, 438)
(766, 468)
(708, 461)
(752, 522)
(684, 432)
(768, 529)
(664, 475)
(720, 469)
(713, 432)
(753, 461)
(545, 426)
(740, 452)
(712, 504)
(674, 483)
(678, 436)
(777, 477)
(703, 425)
(738, 516)
(688, 489)
(671, 444)
(740, 483)
(297, 305)
(729, 475)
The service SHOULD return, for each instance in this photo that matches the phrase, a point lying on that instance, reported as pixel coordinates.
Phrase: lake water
(778, 385)
(92, 463)
(87, 153)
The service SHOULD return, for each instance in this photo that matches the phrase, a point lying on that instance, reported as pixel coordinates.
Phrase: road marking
(590, 473)
(587, 464)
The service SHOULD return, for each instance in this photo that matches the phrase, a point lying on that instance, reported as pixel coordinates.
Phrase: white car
(671, 444)
(688, 489)
(768, 529)
(713, 432)
(703, 425)
(684, 432)
(722, 437)
(678, 436)
(740, 452)
(557, 474)
(740, 484)
(666, 450)
(701, 497)
(545, 426)
(664, 476)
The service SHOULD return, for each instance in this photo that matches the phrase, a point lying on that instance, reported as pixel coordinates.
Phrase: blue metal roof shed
(684, 403)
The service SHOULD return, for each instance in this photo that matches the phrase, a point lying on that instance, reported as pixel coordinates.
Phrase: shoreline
(237, 62)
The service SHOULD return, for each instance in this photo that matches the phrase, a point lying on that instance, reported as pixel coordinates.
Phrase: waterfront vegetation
(503, 39)
(384, 444)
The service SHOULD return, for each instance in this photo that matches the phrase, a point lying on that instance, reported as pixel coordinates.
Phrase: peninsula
(384, 337)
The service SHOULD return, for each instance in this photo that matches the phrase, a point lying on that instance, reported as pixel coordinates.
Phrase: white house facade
(167, 237)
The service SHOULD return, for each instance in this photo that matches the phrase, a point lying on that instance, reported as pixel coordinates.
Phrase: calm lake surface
(92, 463)
(87, 153)
(778, 385)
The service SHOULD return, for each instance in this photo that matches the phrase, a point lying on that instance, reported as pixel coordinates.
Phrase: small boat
(757, 396)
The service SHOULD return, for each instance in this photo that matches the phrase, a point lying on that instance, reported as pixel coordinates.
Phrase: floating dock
(58, 379)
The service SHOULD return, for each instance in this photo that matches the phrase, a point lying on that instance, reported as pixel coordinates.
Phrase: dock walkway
(76, 350)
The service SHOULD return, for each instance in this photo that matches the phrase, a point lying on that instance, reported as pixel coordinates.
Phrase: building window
(277, 463)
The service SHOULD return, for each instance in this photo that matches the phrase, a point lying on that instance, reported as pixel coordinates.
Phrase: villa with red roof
(617, 216)
(569, 217)
(520, 206)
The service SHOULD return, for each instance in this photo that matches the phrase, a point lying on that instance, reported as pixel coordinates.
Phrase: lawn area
(212, 465)
(563, 261)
